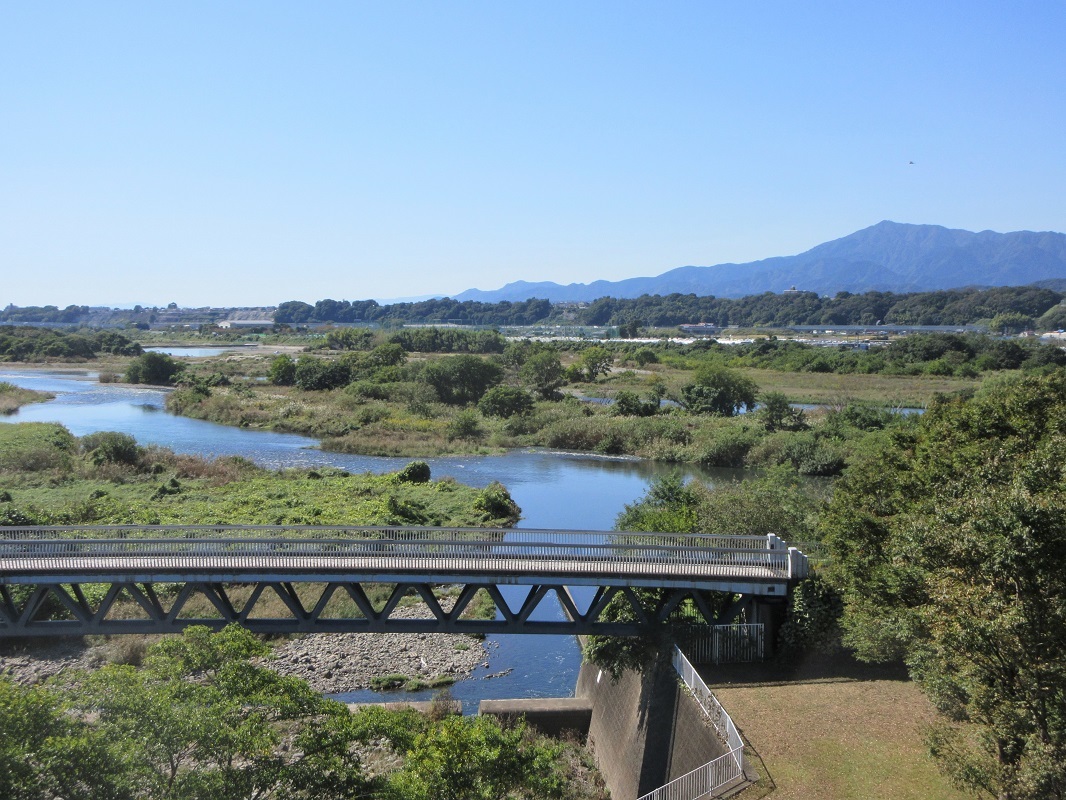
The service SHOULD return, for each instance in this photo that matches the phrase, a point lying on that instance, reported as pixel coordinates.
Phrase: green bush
(813, 619)
(465, 425)
(35, 447)
(505, 402)
(110, 447)
(495, 501)
(415, 472)
(156, 369)
(282, 371)
(724, 447)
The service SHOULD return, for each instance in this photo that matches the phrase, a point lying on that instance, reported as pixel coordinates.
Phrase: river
(554, 490)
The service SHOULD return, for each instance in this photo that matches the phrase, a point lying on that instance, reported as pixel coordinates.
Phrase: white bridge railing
(465, 549)
(722, 771)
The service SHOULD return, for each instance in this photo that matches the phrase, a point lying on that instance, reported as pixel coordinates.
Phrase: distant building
(698, 329)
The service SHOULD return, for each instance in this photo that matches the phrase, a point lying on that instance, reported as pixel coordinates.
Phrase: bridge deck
(207, 559)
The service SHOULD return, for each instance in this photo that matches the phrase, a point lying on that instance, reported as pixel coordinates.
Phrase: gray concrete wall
(645, 730)
(552, 716)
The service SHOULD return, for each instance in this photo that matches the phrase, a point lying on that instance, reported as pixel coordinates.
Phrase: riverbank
(12, 397)
(332, 663)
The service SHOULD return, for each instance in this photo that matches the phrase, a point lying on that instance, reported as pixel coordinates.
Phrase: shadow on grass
(808, 669)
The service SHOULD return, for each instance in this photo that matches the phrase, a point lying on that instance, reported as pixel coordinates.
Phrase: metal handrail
(404, 552)
(718, 772)
(278, 547)
(392, 533)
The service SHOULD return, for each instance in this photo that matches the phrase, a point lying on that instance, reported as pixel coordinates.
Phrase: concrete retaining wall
(552, 716)
(645, 729)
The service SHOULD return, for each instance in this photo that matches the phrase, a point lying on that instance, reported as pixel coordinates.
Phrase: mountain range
(888, 256)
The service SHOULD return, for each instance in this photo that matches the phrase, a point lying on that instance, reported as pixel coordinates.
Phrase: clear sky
(248, 153)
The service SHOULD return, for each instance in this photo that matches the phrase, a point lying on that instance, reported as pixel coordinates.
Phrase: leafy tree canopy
(949, 548)
(718, 390)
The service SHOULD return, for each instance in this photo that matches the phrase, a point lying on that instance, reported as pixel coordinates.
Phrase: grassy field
(894, 391)
(850, 734)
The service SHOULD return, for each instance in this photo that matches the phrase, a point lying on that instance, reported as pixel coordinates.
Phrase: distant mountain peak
(887, 256)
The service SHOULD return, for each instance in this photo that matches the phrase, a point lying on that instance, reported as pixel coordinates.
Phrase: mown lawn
(852, 735)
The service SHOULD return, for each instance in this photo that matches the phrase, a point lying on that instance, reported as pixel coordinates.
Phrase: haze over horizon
(247, 154)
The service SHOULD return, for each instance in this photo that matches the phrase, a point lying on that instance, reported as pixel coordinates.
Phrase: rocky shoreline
(332, 663)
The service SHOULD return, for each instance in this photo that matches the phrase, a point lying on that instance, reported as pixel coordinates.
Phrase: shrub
(505, 402)
(282, 371)
(813, 620)
(495, 501)
(725, 447)
(317, 374)
(645, 356)
(719, 391)
(813, 457)
(627, 404)
(464, 425)
(463, 379)
(110, 447)
(156, 369)
(415, 472)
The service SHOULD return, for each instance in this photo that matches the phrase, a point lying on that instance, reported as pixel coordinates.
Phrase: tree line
(469, 312)
(1017, 307)
(43, 344)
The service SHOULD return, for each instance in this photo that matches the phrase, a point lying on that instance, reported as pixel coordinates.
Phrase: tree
(461, 379)
(776, 413)
(156, 369)
(475, 758)
(282, 371)
(505, 402)
(596, 361)
(949, 549)
(349, 339)
(200, 719)
(1010, 322)
(46, 753)
(543, 371)
(720, 391)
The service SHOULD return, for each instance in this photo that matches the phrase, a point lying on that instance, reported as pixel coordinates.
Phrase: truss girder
(125, 607)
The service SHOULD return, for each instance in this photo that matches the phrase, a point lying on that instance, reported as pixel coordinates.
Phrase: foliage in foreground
(950, 551)
(204, 719)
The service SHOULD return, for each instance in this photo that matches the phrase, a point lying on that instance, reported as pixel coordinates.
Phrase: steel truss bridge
(63, 581)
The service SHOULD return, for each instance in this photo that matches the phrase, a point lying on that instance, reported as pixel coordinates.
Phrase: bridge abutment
(645, 729)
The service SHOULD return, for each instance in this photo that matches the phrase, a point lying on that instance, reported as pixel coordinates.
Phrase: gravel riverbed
(330, 662)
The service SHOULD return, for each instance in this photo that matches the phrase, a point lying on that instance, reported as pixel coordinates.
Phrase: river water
(554, 490)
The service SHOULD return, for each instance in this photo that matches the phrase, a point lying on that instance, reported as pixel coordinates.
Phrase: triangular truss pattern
(340, 605)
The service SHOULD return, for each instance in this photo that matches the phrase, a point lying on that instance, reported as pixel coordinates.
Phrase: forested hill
(888, 256)
(1024, 306)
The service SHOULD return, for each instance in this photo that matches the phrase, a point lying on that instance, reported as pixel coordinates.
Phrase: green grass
(50, 482)
(12, 397)
(907, 391)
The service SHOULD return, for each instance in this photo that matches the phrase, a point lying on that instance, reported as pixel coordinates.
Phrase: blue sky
(248, 153)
